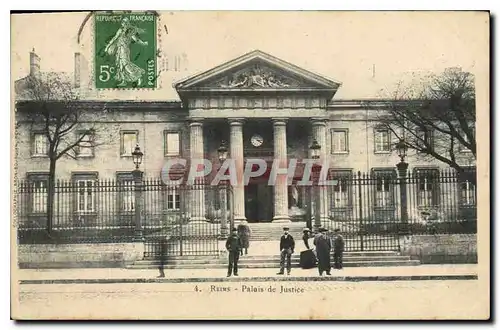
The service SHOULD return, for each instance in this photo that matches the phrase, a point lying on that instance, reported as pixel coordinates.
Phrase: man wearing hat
(233, 246)
(287, 246)
(338, 250)
(323, 247)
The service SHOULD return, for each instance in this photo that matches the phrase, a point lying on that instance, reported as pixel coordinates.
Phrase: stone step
(368, 254)
(276, 265)
(244, 260)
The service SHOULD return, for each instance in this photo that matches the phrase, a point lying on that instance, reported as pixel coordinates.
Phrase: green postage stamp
(125, 50)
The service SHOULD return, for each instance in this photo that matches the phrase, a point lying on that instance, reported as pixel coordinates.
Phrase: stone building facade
(262, 106)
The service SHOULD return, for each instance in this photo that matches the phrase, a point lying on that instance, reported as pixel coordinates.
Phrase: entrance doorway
(259, 202)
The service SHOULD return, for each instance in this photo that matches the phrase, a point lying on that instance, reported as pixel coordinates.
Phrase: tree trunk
(51, 195)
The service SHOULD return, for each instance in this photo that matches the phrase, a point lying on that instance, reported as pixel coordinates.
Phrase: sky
(369, 52)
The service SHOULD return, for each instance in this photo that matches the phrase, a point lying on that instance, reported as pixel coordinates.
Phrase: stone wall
(79, 255)
(441, 249)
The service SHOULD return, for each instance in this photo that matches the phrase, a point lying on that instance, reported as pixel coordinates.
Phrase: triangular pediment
(257, 71)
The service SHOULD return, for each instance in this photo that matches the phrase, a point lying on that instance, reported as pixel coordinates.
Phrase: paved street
(120, 273)
(402, 292)
(301, 300)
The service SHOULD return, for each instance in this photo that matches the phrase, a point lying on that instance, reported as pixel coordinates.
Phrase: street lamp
(222, 152)
(137, 156)
(138, 185)
(315, 149)
(402, 167)
(401, 149)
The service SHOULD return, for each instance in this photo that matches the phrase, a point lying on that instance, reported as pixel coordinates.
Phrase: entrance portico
(266, 108)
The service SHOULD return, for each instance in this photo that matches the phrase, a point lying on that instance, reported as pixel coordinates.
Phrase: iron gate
(190, 221)
(365, 209)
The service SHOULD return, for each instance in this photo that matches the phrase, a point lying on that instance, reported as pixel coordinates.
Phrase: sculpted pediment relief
(256, 70)
(256, 76)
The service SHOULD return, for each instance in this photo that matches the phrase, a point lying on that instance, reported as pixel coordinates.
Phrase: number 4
(105, 72)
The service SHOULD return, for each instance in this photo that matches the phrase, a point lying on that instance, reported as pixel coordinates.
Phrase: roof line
(255, 53)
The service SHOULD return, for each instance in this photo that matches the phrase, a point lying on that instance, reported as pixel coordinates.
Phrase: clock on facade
(257, 140)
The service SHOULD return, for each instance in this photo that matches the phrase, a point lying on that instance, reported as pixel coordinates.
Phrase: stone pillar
(197, 202)
(139, 187)
(281, 185)
(236, 153)
(319, 133)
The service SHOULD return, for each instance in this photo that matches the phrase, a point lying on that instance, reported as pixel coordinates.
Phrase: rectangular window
(128, 143)
(340, 141)
(126, 189)
(427, 187)
(424, 139)
(38, 185)
(85, 192)
(462, 148)
(173, 198)
(40, 144)
(384, 187)
(382, 140)
(340, 194)
(86, 145)
(172, 143)
(468, 191)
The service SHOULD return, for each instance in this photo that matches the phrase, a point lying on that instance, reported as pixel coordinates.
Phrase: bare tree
(435, 116)
(51, 106)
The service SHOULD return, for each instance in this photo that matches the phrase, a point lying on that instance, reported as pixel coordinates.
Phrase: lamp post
(315, 149)
(402, 167)
(222, 153)
(138, 184)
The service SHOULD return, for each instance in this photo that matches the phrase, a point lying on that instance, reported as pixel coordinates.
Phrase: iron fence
(369, 208)
(442, 201)
(83, 212)
(105, 211)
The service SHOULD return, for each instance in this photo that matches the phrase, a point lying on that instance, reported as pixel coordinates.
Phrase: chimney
(78, 66)
(34, 64)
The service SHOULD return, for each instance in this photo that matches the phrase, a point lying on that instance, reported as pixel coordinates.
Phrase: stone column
(197, 202)
(319, 133)
(281, 185)
(236, 153)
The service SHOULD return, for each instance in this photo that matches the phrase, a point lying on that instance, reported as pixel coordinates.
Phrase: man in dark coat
(163, 256)
(287, 246)
(233, 246)
(323, 247)
(338, 250)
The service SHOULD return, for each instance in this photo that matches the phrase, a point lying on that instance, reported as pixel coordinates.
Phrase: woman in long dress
(119, 46)
(244, 232)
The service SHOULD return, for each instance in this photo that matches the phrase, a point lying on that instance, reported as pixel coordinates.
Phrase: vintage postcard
(250, 165)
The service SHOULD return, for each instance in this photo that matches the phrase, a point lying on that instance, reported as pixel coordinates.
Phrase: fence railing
(436, 201)
(87, 210)
(105, 210)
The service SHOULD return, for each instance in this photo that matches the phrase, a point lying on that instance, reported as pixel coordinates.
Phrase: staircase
(264, 253)
(351, 259)
(273, 231)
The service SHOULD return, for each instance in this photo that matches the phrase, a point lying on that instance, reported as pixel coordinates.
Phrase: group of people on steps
(239, 241)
